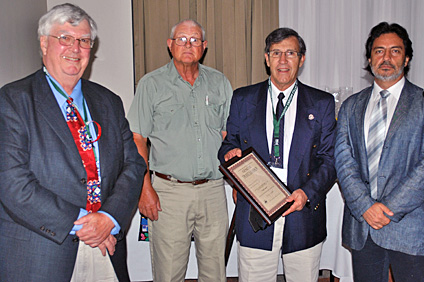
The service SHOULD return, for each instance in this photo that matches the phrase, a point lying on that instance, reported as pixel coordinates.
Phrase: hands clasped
(95, 232)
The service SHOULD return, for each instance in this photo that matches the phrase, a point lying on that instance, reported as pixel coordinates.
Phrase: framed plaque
(258, 184)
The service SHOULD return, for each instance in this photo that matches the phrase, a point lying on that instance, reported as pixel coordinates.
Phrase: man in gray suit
(380, 164)
(70, 172)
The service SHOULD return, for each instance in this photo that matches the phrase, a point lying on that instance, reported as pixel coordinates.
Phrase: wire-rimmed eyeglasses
(181, 41)
(290, 54)
(68, 40)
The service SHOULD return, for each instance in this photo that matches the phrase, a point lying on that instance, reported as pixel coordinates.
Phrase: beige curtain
(235, 31)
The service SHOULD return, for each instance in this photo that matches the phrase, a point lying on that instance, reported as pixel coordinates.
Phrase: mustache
(386, 63)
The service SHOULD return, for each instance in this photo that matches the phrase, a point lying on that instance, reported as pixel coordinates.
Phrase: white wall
(19, 55)
(113, 62)
(335, 32)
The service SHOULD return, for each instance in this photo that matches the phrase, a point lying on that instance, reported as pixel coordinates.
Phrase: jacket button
(308, 174)
(314, 146)
(83, 181)
(245, 141)
(75, 239)
(42, 228)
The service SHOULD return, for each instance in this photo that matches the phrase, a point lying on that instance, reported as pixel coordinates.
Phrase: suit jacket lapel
(99, 114)
(359, 119)
(402, 108)
(257, 108)
(47, 107)
(401, 111)
(303, 130)
(94, 104)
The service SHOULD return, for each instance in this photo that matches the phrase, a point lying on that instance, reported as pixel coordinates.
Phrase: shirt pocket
(166, 116)
(215, 115)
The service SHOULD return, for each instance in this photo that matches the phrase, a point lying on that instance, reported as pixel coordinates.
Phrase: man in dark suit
(379, 162)
(299, 148)
(68, 188)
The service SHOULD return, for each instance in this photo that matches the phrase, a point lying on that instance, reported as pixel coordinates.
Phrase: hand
(235, 196)
(108, 245)
(232, 153)
(149, 204)
(299, 197)
(376, 217)
(95, 229)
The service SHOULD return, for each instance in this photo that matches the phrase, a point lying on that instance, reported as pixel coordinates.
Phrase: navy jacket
(310, 166)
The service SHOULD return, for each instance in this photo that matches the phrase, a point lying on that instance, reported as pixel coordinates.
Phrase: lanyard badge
(275, 159)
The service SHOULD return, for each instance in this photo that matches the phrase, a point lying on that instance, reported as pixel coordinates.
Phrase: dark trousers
(371, 264)
(119, 261)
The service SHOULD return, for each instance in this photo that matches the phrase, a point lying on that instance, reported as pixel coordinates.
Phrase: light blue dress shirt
(79, 101)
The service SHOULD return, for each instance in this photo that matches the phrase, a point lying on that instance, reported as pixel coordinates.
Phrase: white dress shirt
(289, 123)
(392, 101)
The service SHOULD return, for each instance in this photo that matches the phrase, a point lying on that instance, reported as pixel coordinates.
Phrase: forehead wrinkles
(387, 47)
(286, 44)
(388, 40)
(67, 32)
(185, 30)
(81, 29)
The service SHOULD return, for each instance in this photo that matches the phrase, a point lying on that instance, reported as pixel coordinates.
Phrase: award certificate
(258, 184)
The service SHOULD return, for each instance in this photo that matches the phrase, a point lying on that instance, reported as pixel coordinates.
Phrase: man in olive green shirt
(182, 108)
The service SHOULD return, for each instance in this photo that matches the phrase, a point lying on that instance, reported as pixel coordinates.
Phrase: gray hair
(63, 13)
(191, 23)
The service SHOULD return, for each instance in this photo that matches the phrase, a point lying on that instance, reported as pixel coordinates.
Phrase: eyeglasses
(68, 40)
(290, 54)
(182, 41)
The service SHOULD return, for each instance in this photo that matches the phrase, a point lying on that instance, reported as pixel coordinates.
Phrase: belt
(170, 178)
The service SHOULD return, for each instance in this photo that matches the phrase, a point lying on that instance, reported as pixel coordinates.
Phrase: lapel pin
(311, 117)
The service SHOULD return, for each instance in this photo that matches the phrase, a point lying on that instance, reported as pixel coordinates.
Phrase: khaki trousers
(261, 265)
(189, 209)
(91, 266)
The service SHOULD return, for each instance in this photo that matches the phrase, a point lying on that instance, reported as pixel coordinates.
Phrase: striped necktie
(376, 136)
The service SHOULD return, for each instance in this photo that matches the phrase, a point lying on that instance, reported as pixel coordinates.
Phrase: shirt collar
(174, 73)
(276, 92)
(76, 94)
(395, 90)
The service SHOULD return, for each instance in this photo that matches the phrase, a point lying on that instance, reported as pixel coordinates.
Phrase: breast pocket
(215, 116)
(166, 116)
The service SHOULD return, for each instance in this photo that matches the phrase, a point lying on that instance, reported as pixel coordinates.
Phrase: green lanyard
(87, 128)
(277, 120)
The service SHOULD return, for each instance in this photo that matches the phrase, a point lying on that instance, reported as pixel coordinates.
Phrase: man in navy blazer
(305, 162)
(47, 232)
(384, 212)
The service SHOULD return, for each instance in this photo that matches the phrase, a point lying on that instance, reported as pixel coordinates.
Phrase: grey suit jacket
(400, 175)
(43, 181)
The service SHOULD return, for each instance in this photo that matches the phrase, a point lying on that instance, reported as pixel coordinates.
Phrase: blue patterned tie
(376, 136)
